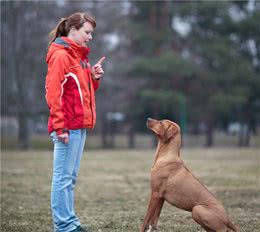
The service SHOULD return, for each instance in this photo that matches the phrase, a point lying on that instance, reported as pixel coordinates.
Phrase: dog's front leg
(152, 206)
(157, 213)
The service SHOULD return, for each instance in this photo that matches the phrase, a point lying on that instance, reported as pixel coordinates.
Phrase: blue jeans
(66, 163)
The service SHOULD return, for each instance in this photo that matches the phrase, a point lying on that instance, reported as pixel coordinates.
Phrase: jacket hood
(64, 43)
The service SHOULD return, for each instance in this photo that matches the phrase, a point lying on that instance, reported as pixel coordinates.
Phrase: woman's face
(83, 35)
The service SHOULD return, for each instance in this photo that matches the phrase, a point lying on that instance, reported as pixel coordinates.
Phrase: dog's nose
(149, 122)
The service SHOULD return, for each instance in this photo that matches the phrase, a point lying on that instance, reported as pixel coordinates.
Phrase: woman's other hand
(64, 138)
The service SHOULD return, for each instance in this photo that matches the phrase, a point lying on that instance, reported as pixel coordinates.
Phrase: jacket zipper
(90, 103)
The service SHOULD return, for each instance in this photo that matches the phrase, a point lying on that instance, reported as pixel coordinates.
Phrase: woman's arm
(55, 81)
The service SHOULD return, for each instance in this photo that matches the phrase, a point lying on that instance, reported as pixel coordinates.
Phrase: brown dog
(173, 182)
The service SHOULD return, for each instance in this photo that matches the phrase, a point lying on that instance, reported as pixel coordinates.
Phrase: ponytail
(60, 30)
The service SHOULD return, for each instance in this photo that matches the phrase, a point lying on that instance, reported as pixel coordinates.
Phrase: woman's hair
(75, 20)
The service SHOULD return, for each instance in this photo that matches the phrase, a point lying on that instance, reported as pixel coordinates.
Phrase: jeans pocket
(75, 132)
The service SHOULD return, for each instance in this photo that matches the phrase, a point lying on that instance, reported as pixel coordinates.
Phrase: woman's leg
(62, 196)
(78, 157)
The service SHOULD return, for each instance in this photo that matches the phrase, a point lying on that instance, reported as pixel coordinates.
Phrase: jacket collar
(81, 52)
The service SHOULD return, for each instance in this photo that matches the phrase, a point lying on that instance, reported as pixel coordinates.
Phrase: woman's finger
(101, 60)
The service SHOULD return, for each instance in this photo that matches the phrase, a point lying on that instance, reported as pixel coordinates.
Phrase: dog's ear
(169, 133)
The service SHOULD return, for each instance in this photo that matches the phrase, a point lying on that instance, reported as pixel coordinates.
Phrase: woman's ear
(72, 31)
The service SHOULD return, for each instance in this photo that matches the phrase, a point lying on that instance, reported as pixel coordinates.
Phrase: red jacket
(69, 87)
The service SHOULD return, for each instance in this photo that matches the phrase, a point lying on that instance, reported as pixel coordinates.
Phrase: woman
(70, 86)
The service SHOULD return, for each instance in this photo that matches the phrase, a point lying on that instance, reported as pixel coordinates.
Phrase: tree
(198, 71)
(24, 30)
(246, 34)
(23, 53)
(219, 47)
(153, 61)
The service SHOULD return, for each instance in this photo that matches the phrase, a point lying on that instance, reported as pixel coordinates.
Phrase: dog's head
(166, 130)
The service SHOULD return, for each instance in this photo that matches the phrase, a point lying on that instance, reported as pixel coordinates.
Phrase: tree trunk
(131, 137)
(108, 134)
(23, 132)
(244, 136)
(112, 133)
(209, 134)
(247, 138)
(104, 133)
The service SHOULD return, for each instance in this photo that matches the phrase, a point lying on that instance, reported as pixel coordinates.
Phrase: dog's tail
(232, 226)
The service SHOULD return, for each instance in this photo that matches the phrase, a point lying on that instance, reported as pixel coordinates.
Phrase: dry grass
(113, 188)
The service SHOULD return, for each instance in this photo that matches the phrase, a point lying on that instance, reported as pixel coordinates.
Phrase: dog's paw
(150, 229)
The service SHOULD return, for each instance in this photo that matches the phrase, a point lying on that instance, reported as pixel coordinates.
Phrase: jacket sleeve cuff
(62, 131)
(96, 83)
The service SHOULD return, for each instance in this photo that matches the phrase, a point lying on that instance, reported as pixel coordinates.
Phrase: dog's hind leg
(211, 219)
(152, 206)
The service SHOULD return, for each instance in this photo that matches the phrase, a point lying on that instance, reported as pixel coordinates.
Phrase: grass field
(113, 188)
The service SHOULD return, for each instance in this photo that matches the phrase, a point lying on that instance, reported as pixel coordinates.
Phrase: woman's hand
(97, 70)
(64, 138)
